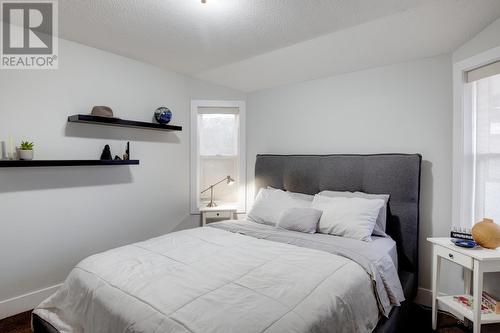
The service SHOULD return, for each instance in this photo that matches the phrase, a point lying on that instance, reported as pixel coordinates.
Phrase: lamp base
(211, 204)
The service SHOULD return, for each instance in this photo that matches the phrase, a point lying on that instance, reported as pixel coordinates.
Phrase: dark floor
(17, 324)
(421, 318)
(420, 322)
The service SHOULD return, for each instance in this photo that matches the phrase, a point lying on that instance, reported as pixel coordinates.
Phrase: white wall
(50, 218)
(399, 108)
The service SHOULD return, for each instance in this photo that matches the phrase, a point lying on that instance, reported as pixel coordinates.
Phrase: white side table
(216, 214)
(476, 262)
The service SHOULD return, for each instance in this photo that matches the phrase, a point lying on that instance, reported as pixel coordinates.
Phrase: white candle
(11, 148)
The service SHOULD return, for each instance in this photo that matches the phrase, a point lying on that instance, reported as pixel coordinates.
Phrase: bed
(247, 277)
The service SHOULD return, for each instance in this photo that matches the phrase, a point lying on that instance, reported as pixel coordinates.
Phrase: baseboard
(424, 296)
(26, 302)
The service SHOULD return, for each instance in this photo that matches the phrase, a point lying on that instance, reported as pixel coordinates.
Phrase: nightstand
(476, 262)
(216, 214)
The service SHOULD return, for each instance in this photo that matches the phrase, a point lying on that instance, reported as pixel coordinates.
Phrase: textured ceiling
(188, 36)
(255, 44)
(425, 31)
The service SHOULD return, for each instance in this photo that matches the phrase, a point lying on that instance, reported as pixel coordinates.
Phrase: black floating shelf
(88, 119)
(57, 163)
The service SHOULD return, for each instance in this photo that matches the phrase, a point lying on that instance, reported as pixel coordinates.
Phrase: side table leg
(467, 281)
(478, 295)
(436, 268)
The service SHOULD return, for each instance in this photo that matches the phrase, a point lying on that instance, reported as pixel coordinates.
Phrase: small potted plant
(26, 151)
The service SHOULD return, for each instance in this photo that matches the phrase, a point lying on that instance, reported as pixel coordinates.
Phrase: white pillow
(297, 195)
(380, 225)
(271, 203)
(300, 219)
(348, 217)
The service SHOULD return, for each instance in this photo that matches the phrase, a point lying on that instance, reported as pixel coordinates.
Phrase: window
(476, 178)
(485, 108)
(217, 142)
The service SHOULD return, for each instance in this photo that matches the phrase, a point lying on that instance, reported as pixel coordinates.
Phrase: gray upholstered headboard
(394, 174)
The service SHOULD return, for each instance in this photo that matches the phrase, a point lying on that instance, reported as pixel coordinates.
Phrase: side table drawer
(218, 215)
(456, 257)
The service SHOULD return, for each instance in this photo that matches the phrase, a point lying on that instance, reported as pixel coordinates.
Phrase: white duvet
(209, 280)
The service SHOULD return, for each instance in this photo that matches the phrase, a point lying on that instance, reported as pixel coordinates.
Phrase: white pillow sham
(271, 203)
(380, 225)
(297, 195)
(300, 219)
(348, 217)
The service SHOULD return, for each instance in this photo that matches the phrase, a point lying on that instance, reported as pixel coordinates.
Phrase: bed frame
(394, 174)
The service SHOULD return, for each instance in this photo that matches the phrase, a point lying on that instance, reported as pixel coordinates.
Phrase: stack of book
(461, 233)
(492, 303)
(488, 304)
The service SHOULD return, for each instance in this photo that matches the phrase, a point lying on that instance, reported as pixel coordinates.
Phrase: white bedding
(378, 258)
(210, 280)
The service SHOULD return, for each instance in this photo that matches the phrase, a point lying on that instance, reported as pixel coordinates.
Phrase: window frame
(195, 160)
(464, 139)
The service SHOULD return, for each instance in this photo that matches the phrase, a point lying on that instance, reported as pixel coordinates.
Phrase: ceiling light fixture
(203, 1)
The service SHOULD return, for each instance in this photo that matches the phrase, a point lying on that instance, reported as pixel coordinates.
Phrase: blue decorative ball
(163, 115)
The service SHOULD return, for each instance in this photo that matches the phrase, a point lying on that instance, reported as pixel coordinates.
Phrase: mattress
(214, 280)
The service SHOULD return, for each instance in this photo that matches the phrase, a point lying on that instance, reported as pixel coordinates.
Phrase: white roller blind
(218, 147)
(218, 110)
(486, 107)
(483, 72)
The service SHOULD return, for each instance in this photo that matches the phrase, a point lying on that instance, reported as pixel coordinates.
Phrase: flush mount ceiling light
(210, 9)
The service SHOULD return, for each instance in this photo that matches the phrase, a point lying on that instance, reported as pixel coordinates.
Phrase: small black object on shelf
(126, 156)
(60, 163)
(88, 119)
(106, 153)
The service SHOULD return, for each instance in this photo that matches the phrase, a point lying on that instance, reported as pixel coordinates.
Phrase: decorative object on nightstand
(227, 179)
(469, 244)
(461, 233)
(476, 262)
(216, 214)
(462, 237)
(26, 151)
(163, 115)
(487, 234)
